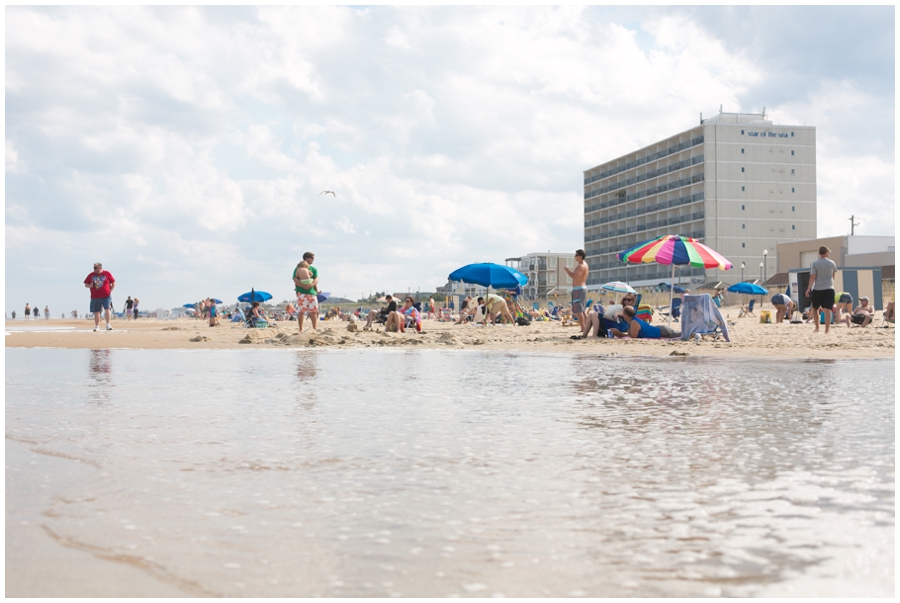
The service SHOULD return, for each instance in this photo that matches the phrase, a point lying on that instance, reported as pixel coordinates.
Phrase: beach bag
(765, 317)
(522, 321)
(796, 318)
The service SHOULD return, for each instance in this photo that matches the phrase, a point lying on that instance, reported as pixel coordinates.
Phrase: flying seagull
(330, 192)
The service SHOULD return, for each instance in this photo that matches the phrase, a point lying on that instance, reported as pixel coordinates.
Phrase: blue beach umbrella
(667, 286)
(252, 296)
(748, 288)
(488, 274)
(189, 306)
(323, 296)
(216, 301)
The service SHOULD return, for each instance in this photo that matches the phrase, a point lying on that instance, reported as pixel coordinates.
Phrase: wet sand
(749, 338)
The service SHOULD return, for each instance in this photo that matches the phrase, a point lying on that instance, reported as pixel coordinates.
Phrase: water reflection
(100, 379)
(335, 473)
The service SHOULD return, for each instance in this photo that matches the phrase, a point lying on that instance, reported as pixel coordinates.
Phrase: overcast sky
(185, 148)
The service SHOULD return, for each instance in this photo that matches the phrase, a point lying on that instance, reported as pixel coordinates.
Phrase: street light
(742, 271)
(761, 266)
(765, 265)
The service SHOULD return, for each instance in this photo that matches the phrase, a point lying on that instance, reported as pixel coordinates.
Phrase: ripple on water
(426, 473)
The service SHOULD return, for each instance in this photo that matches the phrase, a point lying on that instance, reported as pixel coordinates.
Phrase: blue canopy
(323, 296)
(189, 306)
(667, 286)
(216, 301)
(252, 296)
(748, 288)
(488, 274)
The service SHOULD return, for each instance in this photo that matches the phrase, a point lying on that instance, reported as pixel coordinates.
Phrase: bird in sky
(330, 192)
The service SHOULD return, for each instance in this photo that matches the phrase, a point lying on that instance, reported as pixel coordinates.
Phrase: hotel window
(742, 132)
(792, 208)
(792, 170)
(742, 170)
(792, 152)
(792, 133)
(742, 207)
(743, 226)
(742, 150)
(742, 189)
(793, 227)
(743, 244)
(792, 189)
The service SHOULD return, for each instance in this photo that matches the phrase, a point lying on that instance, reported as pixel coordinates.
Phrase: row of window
(646, 210)
(642, 177)
(793, 207)
(620, 270)
(742, 150)
(638, 162)
(773, 169)
(647, 226)
(744, 189)
(655, 190)
(696, 234)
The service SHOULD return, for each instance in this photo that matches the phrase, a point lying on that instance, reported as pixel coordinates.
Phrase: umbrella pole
(671, 293)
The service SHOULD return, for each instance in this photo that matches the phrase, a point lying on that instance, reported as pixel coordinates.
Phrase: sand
(749, 338)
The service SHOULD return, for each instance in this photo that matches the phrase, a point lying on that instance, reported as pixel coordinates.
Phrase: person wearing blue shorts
(101, 283)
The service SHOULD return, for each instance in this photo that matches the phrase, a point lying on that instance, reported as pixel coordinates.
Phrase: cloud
(189, 145)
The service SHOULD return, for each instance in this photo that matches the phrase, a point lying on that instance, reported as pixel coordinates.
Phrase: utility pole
(853, 225)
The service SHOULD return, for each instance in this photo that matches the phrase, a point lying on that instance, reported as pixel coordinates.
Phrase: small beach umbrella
(677, 251)
(748, 288)
(252, 296)
(618, 287)
(322, 296)
(216, 301)
(676, 288)
(189, 306)
(488, 274)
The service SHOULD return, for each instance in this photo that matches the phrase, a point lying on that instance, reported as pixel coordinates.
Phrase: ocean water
(464, 473)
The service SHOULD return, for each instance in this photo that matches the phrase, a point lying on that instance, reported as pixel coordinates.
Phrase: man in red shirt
(101, 283)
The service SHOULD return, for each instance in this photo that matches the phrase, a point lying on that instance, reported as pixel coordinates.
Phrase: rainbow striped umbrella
(677, 251)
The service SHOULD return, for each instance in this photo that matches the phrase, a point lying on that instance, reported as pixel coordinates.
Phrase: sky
(186, 148)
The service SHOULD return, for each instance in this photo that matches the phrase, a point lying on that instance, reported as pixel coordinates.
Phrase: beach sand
(749, 338)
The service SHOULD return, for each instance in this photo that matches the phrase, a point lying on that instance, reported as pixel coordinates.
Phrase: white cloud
(191, 144)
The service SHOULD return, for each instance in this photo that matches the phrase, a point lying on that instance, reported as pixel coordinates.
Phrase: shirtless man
(579, 292)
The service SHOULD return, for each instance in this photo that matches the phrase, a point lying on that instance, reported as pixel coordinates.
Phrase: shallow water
(433, 473)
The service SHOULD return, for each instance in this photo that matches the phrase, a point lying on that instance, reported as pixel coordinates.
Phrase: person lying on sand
(638, 329)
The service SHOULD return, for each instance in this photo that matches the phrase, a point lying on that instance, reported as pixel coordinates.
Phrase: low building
(846, 250)
(546, 273)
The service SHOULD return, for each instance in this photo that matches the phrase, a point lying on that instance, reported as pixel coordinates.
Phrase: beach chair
(676, 309)
(748, 311)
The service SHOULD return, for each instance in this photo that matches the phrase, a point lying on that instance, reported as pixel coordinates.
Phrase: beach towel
(700, 315)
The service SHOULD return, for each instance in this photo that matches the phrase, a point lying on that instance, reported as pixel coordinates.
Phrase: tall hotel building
(736, 182)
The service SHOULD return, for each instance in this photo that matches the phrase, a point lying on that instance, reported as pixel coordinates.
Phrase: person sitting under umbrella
(495, 306)
(638, 329)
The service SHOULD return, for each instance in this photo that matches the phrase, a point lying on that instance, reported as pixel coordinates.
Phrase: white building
(736, 182)
(546, 273)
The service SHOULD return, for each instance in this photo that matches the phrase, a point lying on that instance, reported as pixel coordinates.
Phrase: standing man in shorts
(307, 302)
(101, 283)
(579, 292)
(821, 287)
